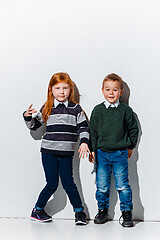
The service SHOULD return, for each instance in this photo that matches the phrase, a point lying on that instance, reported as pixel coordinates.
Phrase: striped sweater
(63, 127)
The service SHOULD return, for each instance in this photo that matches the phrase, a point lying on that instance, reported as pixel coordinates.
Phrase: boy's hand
(92, 157)
(29, 111)
(83, 150)
(130, 153)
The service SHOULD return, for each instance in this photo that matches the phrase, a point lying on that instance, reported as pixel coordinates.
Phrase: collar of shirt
(56, 102)
(107, 104)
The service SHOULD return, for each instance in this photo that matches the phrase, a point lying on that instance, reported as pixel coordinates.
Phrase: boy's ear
(122, 91)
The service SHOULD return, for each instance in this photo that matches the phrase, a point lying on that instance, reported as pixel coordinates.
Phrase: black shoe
(40, 216)
(101, 217)
(127, 219)
(80, 218)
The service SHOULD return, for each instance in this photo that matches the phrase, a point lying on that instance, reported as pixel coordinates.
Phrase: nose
(111, 92)
(61, 90)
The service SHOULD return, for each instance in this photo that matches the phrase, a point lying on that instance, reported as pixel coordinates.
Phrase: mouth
(111, 97)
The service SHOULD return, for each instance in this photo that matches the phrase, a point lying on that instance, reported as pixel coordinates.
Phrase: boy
(114, 133)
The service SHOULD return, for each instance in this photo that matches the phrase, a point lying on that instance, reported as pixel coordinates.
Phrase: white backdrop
(87, 39)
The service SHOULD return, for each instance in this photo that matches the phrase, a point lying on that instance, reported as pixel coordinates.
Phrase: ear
(102, 90)
(121, 92)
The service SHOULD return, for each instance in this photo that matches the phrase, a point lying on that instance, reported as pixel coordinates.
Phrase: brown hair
(56, 78)
(113, 77)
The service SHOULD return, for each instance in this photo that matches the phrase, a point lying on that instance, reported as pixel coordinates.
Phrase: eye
(107, 89)
(115, 90)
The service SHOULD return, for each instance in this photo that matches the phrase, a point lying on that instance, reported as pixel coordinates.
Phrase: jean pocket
(124, 153)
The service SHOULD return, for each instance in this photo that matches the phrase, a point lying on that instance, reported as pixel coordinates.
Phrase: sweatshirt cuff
(130, 147)
(84, 140)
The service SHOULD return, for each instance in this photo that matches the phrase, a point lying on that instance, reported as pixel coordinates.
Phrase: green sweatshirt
(113, 128)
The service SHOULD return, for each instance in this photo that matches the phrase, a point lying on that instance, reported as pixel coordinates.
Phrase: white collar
(107, 104)
(56, 102)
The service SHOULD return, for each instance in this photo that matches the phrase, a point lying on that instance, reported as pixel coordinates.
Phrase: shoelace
(99, 213)
(43, 213)
(81, 216)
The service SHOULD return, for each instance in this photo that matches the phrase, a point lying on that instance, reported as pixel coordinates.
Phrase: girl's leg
(66, 174)
(50, 166)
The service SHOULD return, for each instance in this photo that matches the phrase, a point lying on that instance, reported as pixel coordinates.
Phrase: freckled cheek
(68, 92)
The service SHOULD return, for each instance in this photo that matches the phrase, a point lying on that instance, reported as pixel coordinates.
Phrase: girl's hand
(92, 157)
(129, 153)
(29, 111)
(83, 150)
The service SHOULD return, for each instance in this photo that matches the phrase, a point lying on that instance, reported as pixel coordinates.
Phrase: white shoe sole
(42, 221)
(80, 223)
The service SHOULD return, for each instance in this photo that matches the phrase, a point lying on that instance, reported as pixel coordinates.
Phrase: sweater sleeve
(93, 131)
(35, 122)
(82, 127)
(132, 128)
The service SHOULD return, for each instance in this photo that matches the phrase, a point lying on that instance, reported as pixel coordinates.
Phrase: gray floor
(16, 228)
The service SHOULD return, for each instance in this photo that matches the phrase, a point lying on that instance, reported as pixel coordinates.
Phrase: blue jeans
(55, 166)
(118, 163)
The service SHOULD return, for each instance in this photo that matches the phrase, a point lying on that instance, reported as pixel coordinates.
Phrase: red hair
(55, 79)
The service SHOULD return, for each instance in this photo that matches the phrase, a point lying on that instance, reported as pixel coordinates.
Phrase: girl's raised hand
(83, 150)
(29, 111)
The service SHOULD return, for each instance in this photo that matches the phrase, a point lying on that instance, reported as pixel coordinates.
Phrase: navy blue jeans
(55, 166)
(118, 163)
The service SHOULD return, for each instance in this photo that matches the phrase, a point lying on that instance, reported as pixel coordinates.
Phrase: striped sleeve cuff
(27, 119)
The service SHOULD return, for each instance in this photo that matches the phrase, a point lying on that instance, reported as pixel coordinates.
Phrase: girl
(65, 121)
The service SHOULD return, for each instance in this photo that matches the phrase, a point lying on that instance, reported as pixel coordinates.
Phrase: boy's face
(112, 91)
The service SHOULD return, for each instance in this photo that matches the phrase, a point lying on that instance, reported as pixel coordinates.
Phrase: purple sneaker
(40, 216)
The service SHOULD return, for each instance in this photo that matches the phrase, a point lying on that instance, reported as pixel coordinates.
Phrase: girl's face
(61, 91)
(112, 91)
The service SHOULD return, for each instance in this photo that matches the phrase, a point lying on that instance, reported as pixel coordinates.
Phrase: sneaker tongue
(127, 216)
(103, 210)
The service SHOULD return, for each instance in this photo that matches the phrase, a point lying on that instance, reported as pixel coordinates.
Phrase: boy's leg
(120, 172)
(103, 179)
